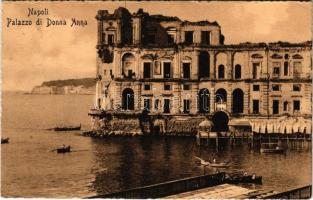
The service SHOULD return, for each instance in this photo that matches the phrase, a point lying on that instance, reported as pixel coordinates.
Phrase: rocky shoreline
(144, 125)
(100, 134)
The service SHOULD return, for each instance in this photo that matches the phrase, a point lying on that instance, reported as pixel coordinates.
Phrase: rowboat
(4, 140)
(219, 164)
(64, 149)
(271, 148)
(213, 163)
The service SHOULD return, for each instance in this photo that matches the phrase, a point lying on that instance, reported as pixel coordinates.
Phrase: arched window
(286, 56)
(237, 71)
(220, 96)
(238, 103)
(204, 101)
(128, 99)
(221, 71)
(128, 65)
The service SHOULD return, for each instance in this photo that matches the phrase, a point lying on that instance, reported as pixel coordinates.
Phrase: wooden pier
(168, 188)
(207, 186)
(224, 191)
(288, 141)
(227, 191)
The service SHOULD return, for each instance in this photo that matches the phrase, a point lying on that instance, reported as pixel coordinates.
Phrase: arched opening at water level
(220, 122)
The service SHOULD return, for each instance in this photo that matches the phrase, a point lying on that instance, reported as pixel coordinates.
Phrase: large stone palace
(177, 73)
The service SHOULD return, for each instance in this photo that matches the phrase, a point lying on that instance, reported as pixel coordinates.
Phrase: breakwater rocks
(142, 125)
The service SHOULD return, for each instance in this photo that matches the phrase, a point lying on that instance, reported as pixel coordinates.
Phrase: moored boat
(271, 148)
(64, 149)
(213, 163)
(4, 140)
(219, 164)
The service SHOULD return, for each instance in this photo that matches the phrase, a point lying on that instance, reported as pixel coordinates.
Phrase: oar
(52, 150)
(198, 158)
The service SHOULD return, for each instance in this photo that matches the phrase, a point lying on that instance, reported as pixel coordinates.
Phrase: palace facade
(173, 69)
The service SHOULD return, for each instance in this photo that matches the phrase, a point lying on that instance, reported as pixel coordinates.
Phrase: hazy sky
(33, 54)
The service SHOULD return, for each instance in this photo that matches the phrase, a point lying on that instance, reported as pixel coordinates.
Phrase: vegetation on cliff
(86, 82)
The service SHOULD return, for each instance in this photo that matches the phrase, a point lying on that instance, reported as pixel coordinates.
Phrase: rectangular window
(297, 69)
(255, 68)
(189, 37)
(167, 87)
(147, 87)
(276, 68)
(166, 108)
(275, 87)
(156, 104)
(205, 37)
(296, 88)
(111, 73)
(276, 71)
(146, 104)
(130, 73)
(256, 87)
(186, 70)
(110, 39)
(286, 106)
(186, 106)
(255, 106)
(147, 70)
(275, 106)
(167, 70)
(170, 39)
(296, 105)
(286, 68)
(186, 87)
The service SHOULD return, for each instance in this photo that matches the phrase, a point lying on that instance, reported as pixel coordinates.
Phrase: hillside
(86, 82)
(68, 86)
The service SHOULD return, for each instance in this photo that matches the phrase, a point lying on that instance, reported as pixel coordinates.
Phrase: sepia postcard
(156, 99)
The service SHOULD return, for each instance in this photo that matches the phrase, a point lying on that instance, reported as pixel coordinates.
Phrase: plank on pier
(223, 191)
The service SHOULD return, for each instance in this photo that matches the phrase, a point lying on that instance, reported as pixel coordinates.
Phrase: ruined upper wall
(141, 29)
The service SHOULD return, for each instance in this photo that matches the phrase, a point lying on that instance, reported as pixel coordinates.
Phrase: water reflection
(135, 162)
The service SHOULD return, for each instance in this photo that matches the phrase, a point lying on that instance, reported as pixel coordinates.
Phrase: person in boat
(253, 176)
(214, 160)
(245, 174)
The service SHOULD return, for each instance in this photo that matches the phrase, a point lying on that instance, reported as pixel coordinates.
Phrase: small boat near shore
(219, 164)
(4, 140)
(64, 149)
(213, 163)
(67, 128)
(271, 148)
